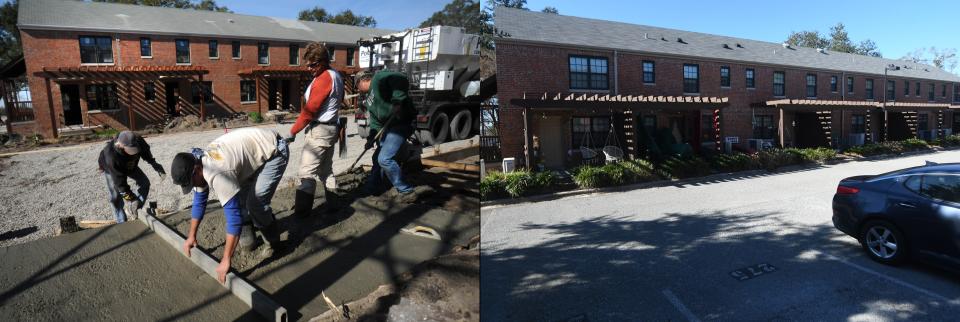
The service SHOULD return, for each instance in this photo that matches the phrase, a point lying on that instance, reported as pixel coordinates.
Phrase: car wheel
(883, 242)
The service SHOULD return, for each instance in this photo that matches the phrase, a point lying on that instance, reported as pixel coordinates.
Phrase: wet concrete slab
(119, 273)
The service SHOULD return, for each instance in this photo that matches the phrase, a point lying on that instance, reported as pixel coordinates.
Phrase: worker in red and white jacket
(318, 121)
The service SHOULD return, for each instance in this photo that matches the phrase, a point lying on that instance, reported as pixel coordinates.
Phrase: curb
(712, 177)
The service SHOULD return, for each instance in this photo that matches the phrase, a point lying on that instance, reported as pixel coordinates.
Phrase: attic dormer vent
(680, 40)
(645, 36)
(820, 50)
(663, 38)
(230, 20)
(726, 46)
(785, 45)
(739, 45)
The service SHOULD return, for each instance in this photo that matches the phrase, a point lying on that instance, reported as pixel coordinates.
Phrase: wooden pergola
(260, 72)
(124, 73)
(826, 107)
(626, 104)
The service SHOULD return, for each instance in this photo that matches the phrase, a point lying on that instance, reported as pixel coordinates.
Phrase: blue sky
(897, 27)
(389, 14)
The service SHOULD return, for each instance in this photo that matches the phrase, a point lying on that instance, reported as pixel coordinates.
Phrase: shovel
(353, 177)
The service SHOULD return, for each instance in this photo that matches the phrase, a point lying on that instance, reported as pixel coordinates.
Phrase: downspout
(616, 73)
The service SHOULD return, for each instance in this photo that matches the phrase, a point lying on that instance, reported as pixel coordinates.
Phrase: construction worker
(120, 160)
(390, 108)
(318, 121)
(244, 167)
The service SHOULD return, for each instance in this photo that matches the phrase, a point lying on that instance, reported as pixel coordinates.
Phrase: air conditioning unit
(858, 138)
(761, 144)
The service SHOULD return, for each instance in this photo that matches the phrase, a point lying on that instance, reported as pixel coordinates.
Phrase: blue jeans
(384, 160)
(255, 194)
(143, 188)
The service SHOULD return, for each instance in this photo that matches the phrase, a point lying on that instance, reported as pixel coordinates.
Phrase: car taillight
(844, 190)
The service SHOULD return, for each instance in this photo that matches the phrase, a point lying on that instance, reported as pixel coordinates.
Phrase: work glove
(287, 137)
(128, 196)
(370, 141)
(157, 167)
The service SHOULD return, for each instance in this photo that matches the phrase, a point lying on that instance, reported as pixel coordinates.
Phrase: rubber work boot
(416, 194)
(303, 199)
(248, 241)
(271, 234)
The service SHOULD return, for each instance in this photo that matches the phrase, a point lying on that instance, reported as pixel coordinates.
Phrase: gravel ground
(42, 185)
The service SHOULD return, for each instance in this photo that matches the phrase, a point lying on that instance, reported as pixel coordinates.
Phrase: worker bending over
(244, 167)
(119, 160)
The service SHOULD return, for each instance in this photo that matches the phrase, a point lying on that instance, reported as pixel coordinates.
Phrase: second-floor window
(943, 90)
(833, 84)
(849, 85)
(956, 92)
(263, 53)
(183, 51)
(724, 76)
(588, 73)
(778, 84)
(869, 89)
(235, 50)
(906, 88)
(930, 94)
(649, 72)
(333, 53)
(294, 54)
(691, 78)
(350, 53)
(811, 85)
(214, 50)
(146, 50)
(748, 74)
(891, 90)
(918, 89)
(96, 50)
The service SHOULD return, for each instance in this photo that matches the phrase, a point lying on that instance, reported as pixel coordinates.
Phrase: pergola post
(203, 112)
(7, 104)
(716, 129)
(130, 114)
(886, 125)
(526, 137)
(257, 91)
(780, 129)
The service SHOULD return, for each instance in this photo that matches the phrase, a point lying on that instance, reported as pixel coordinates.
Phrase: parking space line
(679, 305)
(892, 279)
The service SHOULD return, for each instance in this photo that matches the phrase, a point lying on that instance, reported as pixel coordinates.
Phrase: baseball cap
(181, 171)
(127, 141)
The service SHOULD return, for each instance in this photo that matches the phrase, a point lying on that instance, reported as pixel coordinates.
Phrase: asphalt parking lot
(745, 248)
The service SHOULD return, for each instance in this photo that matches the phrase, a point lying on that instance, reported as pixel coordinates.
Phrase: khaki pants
(316, 161)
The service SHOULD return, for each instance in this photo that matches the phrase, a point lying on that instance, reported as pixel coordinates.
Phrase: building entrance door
(70, 95)
(172, 97)
(551, 142)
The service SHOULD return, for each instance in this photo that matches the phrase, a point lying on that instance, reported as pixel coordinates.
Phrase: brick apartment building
(564, 82)
(88, 64)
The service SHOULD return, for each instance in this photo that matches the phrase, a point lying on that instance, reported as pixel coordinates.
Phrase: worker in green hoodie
(389, 106)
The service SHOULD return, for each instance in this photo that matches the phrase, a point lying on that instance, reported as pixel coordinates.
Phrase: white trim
(247, 102)
(98, 64)
(104, 111)
(146, 57)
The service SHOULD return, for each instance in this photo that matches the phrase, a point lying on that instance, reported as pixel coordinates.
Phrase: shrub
(732, 162)
(493, 186)
(913, 144)
(106, 133)
(814, 155)
(950, 140)
(255, 117)
(775, 158)
(638, 170)
(589, 177)
(680, 168)
(514, 184)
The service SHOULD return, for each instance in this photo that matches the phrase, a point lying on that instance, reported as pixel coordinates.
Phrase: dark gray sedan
(913, 212)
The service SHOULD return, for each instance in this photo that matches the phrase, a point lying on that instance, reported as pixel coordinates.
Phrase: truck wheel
(461, 125)
(439, 130)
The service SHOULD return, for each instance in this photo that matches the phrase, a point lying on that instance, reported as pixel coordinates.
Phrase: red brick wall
(61, 49)
(533, 69)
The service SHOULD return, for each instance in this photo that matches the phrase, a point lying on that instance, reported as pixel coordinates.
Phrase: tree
(346, 17)
(210, 5)
(838, 41)
(945, 59)
(9, 34)
(516, 4)
(552, 10)
(459, 13)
